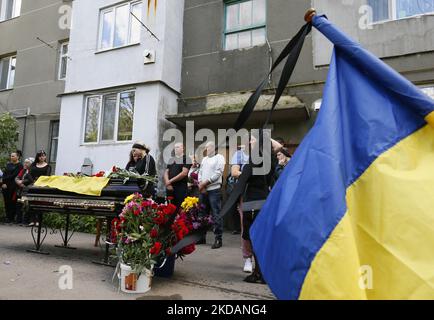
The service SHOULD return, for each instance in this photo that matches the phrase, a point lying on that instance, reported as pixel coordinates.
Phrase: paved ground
(205, 274)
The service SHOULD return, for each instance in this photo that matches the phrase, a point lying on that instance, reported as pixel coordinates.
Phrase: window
(244, 24)
(429, 91)
(397, 9)
(118, 27)
(109, 117)
(63, 60)
(9, 9)
(54, 140)
(7, 72)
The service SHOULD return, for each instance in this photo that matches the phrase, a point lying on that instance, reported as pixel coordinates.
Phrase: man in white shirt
(210, 183)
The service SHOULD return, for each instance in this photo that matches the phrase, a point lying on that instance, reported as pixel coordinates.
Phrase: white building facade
(121, 81)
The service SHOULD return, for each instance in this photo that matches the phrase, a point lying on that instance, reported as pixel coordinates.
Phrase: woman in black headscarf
(145, 165)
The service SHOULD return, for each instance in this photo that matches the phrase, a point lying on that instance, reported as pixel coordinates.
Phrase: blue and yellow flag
(352, 216)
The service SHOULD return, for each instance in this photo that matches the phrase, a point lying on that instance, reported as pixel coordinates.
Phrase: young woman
(283, 158)
(193, 178)
(257, 189)
(9, 187)
(38, 169)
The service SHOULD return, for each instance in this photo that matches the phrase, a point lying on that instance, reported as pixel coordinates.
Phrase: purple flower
(196, 225)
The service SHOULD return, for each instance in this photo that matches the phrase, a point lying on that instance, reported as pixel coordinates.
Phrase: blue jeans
(213, 201)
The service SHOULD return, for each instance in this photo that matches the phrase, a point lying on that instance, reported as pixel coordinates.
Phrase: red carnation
(169, 209)
(160, 218)
(114, 169)
(156, 248)
(168, 252)
(188, 249)
(153, 233)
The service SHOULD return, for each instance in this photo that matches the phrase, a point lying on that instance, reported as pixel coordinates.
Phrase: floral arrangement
(195, 213)
(190, 219)
(125, 175)
(142, 233)
(146, 231)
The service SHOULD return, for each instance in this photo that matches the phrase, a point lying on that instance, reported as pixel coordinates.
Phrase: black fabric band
(188, 240)
(292, 50)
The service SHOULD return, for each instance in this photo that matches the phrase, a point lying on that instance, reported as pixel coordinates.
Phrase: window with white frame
(383, 10)
(9, 9)
(245, 24)
(109, 117)
(118, 27)
(54, 140)
(7, 72)
(63, 60)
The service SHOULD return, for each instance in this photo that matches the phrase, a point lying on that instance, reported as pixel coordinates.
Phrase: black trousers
(10, 204)
(248, 219)
(179, 193)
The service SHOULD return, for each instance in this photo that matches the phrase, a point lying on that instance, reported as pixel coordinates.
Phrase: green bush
(8, 137)
(77, 223)
(86, 224)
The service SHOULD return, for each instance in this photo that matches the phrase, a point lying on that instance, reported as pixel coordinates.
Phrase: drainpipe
(24, 130)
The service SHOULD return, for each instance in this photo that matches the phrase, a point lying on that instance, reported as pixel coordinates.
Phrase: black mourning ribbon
(292, 51)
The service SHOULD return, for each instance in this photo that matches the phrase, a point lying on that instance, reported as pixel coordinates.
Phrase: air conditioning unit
(149, 56)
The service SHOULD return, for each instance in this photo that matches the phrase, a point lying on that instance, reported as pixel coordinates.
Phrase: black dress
(36, 172)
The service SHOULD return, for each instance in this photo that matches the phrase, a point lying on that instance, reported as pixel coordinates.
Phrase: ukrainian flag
(352, 216)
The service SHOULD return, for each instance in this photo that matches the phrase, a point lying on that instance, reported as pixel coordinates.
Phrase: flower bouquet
(126, 175)
(142, 234)
(191, 219)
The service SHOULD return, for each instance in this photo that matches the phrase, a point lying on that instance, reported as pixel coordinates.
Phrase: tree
(8, 137)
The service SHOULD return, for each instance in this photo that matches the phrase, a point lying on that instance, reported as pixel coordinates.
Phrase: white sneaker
(248, 267)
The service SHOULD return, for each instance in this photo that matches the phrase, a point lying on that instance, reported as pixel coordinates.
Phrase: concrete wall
(151, 101)
(92, 72)
(406, 45)
(36, 86)
(209, 70)
(91, 69)
(410, 35)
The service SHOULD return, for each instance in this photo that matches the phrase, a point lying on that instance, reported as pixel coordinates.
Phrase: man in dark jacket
(8, 186)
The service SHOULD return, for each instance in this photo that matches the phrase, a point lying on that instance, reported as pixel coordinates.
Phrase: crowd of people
(16, 175)
(205, 180)
(181, 178)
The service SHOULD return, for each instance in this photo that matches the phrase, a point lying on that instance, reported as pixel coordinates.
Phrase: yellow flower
(189, 203)
(129, 198)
